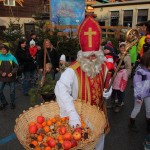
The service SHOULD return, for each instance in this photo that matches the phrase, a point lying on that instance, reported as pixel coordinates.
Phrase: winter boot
(132, 125)
(148, 124)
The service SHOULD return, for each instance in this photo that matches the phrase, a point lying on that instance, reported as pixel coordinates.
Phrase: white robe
(66, 92)
(69, 83)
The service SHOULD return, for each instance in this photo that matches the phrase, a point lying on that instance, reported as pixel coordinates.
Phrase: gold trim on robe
(91, 89)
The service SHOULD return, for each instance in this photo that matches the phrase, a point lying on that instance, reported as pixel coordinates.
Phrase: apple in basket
(51, 143)
(62, 130)
(77, 136)
(73, 143)
(67, 136)
(66, 145)
(78, 130)
(32, 129)
(40, 119)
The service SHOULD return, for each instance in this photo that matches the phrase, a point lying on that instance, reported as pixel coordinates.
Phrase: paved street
(119, 137)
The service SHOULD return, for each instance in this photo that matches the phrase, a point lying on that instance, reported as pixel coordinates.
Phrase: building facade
(127, 13)
(23, 15)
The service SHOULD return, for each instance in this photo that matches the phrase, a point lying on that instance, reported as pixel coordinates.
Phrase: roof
(135, 2)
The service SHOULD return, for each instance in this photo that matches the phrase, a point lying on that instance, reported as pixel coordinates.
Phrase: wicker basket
(92, 116)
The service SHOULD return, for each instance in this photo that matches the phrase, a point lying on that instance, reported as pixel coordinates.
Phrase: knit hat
(148, 36)
(122, 43)
(32, 42)
(63, 57)
(109, 43)
(4, 46)
(108, 48)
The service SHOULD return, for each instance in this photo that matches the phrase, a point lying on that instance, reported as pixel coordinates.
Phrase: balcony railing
(44, 8)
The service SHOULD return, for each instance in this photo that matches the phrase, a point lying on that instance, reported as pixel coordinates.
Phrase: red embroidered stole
(91, 89)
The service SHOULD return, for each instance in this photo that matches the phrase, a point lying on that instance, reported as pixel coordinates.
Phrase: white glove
(74, 119)
(106, 94)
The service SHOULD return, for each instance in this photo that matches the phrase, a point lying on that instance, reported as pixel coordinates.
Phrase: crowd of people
(83, 79)
(27, 65)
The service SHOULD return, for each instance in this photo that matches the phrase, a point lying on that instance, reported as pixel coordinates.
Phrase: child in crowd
(62, 66)
(108, 52)
(62, 63)
(33, 49)
(119, 86)
(146, 46)
(141, 91)
(127, 59)
(8, 71)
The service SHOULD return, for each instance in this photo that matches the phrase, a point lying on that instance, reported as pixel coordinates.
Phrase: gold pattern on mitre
(90, 33)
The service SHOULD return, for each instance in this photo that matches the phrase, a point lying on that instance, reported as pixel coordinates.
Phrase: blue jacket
(8, 64)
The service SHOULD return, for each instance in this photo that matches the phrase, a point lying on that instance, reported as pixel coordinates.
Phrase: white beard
(91, 68)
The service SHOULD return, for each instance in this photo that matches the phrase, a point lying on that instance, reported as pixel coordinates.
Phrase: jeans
(12, 92)
(137, 108)
(28, 81)
(120, 95)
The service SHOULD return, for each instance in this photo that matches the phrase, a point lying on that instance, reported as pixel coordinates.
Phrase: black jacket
(24, 59)
(8, 64)
(146, 48)
(54, 58)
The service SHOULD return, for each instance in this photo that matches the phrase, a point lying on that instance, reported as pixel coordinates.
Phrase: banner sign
(67, 12)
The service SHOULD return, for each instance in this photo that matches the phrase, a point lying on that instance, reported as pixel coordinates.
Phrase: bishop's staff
(132, 37)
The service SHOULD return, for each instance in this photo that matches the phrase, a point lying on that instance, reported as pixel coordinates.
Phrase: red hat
(89, 35)
(148, 36)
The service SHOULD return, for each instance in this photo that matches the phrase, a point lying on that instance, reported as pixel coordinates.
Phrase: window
(142, 15)
(127, 19)
(114, 18)
(9, 3)
(16, 27)
(29, 27)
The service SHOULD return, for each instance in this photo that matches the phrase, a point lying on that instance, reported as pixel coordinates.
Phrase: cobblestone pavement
(119, 137)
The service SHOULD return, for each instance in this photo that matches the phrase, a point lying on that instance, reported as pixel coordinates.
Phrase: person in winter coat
(127, 59)
(108, 52)
(62, 64)
(146, 46)
(33, 49)
(51, 57)
(119, 86)
(8, 71)
(141, 91)
(26, 62)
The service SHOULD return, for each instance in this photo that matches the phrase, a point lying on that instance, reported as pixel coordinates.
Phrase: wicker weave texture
(93, 117)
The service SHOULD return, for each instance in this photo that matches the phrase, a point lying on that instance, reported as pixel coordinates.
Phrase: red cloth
(90, 89)
(33, 51)
(109, 62)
